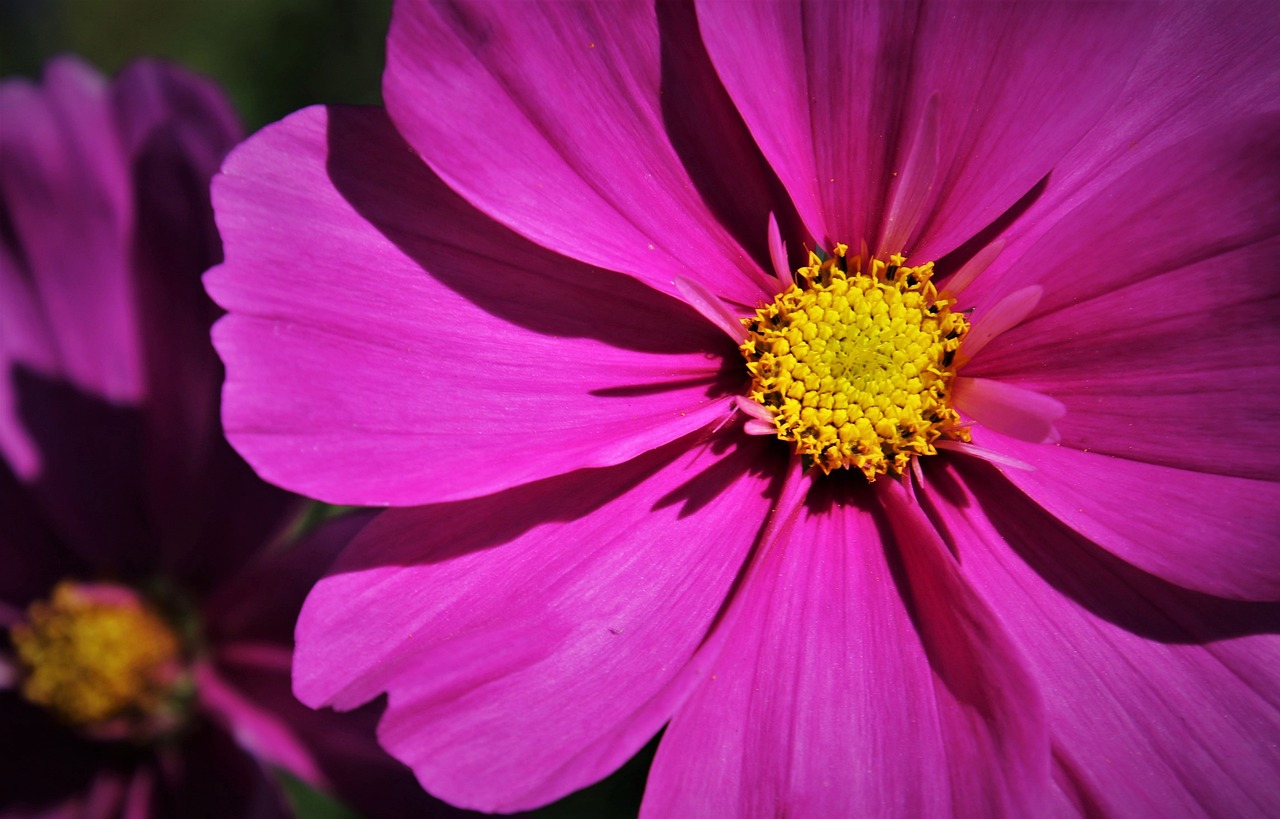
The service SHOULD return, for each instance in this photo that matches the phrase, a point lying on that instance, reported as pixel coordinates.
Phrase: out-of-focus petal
(239, 612)
(55, 768)
(211, 771)
(67, 208)
(208, 512)
(1214, 533)
(403, 348)
(835, 94)
(564, 136)
(108, 230)
(1160, 701)
(32, 556)
(261, 732)
(855, 681)
(343, 746)
(532, 641)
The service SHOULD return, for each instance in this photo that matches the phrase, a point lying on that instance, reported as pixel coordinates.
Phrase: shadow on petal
(491, 266)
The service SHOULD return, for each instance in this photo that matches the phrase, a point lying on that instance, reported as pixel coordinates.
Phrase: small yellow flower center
(855, 365)
(98, 653)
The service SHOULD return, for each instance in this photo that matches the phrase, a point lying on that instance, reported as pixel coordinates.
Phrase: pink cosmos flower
(146, 609)
(874, 395)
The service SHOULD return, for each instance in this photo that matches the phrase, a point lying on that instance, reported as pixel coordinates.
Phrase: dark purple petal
(207, 508)
(33, 557)
(54, 765)
(342, 746)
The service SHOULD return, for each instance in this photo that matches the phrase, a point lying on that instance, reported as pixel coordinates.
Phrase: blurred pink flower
(510, 308)
(146, 604)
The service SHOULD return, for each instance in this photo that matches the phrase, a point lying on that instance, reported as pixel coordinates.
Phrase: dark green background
(272, 57)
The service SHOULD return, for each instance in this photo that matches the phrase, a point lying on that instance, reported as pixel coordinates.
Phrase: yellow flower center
(855, 366)
(97, 653)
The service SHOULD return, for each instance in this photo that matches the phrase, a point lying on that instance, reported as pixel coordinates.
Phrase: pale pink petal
(835, 93)
(856, 680)
(389, 344)
(980, 452)
(962, 278)
(912, 189)
(1009, 409)
(564, 137)
(1212, 533)
(712, 308)
(1007, 313)
(778, 254)
(532, 641)
(1160, 701)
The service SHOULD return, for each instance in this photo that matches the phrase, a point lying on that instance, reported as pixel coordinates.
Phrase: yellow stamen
(95, 653)
(855, 365)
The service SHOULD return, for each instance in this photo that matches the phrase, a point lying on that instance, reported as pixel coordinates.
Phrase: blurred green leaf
(309, 803)
(272, 56)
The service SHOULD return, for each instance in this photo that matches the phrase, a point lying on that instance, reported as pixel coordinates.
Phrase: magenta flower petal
(1156, 322)
(1104, 641)
(1206, 195)
(32, 556)
(849, 686)
(826, 628)
(566, 107)
(835, 106)
(1212, 533)
(555, 656)
(361, 400)
(1202, 66)
(1166, 380)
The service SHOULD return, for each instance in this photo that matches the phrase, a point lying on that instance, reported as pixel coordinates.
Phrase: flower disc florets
(102, 659)
(855, 366)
